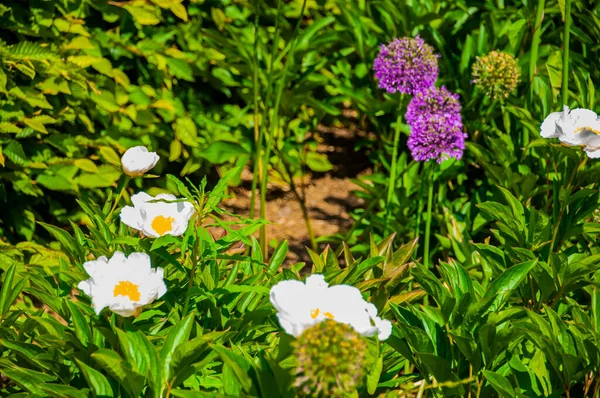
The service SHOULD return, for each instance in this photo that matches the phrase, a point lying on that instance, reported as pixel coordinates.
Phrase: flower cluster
(497, 74)
(577, 127)
(125, 284)
(436, 125)
(331, 360)
(410, 66)
(407, 65)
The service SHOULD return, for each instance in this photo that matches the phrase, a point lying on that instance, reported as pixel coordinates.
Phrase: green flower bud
(331, 360)
(497, 74)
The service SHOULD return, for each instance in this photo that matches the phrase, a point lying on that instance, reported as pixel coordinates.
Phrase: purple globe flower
(434, 101)
(406, 65)
(436, 125)
(436, 139)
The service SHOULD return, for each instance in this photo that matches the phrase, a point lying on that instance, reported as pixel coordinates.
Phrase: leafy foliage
(510, 306)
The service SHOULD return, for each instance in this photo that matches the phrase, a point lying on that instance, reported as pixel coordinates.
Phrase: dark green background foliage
(511, 306)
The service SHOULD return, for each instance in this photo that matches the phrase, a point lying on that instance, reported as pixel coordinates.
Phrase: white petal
(85, 286)
(385, 328)
(549, 127)
(287, 296)
(316, 281)
(139, 262)
(94, 267)
(593, 153)
(140, 198)
(131, 217)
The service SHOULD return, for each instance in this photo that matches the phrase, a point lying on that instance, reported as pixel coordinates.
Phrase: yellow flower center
(162, 224)
(127, 289)
(315, 313)
(587, 128)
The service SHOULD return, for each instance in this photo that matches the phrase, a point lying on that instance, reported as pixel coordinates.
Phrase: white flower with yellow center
(138, 160)
(577, 127)
(123, 284)
(302, 305)
(157, 216)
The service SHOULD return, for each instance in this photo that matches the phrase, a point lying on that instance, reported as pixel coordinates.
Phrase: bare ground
(329, 197)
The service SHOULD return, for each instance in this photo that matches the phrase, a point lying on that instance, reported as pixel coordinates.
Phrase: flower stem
(257, 136)
(563, 207)
(273, 129)
(121, 186)
(565, 71)
(195, 260)
(428, 218)
(535, 45)
(420, 207)
(394, 166)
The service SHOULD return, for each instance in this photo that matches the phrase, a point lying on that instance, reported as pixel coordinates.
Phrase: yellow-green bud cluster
(497, 74)
(331, 360)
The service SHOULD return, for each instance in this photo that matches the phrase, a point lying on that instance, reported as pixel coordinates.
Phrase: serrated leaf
(186, 132)
(144, 14)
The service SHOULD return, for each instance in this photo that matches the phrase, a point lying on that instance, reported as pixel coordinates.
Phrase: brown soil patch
(329, 197)
(329, 201)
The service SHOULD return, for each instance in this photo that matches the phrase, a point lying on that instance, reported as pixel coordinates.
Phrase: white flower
(157, 218)
(123, 284)
(577, 127)
(138, 160)
(302, 305)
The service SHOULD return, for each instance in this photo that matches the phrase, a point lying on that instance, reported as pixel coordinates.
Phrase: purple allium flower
(436, 139)
(406, 65)
(436, 125)
(434, 101)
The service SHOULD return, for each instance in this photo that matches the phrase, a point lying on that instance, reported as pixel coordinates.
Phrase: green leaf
(14, 152)
(7, 288)
(374, 375)
(219, 152)
(215, 196)
(441, 369)
(114, 365)
(186, 132)
(27, 378)
(82, 326)
(184, 356)
(62, 391)
(178, 334)
(500, 383)
(278, 257)
(56, 182)
(238, 366)
(96, 381)
(144, 14)
(318, 162)
(67, 241)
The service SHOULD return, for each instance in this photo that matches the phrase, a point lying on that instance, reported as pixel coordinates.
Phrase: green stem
(535, 45)
(257, 172)
(270, 138)
(565, 71)
(563, 207)
(428, 218)
(195, 260)
(392, 180)
(420, 207)
(257, 135)
(121, 186)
